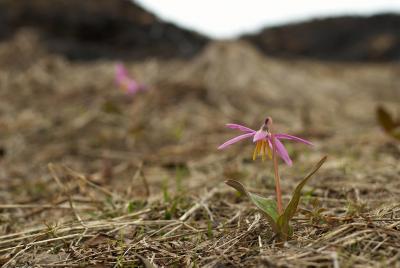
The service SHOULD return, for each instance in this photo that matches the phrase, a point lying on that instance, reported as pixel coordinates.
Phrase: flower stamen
(257, 150)
(268, 150)
(262, 149)
(263, 144)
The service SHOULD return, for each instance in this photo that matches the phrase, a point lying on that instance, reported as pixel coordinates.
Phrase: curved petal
(240, 127)
(293, 138)
(260, 135)
(281, 150)
(234, 140)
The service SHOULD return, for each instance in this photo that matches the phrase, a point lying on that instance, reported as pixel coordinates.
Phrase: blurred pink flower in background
(125, 82)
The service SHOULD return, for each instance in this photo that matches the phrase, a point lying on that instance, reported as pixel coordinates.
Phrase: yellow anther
(263, 145)
(256, 150)
(269, 151)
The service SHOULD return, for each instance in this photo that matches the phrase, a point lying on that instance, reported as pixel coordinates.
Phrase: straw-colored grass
(93, 178)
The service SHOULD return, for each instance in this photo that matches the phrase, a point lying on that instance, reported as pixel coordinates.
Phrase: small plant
(125, 82)
(315, 214)
(268, 143)
(386, 121)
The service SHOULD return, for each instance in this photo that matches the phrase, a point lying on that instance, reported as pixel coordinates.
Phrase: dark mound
(375, 38)
(92, 29)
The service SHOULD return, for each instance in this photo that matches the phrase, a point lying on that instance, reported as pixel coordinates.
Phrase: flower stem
(277, 178)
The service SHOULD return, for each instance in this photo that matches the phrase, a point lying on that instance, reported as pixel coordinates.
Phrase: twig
(66, 192)
(44, 206)
(187, 214)
(84, 179)
(15, 256)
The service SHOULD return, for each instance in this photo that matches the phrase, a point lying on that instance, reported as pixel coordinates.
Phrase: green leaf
(266, 205)
(388, 123)
(384, 119)
(283, 220)
(111, 108)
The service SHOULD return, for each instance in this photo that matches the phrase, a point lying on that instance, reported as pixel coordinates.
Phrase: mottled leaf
(266, 205)
(283, 220)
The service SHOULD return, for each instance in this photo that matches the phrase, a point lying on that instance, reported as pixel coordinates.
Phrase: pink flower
(125, 82)
(263, 139)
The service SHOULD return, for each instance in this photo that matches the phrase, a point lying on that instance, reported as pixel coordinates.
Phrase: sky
(224, 19)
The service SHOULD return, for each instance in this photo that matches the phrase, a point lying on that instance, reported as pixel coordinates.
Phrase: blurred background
(341, 30)
(319, 69)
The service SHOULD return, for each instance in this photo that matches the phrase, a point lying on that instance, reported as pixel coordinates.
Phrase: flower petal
(234, 140)
(293, 138)
(132, 86)
(240, 127)
(259, 135)
(120, 72)
(281, 150)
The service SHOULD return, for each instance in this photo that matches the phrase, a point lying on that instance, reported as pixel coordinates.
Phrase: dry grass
(91, 178)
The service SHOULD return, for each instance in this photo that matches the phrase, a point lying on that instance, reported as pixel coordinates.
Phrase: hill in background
(93, 29)
(98, 28)
(375, 38)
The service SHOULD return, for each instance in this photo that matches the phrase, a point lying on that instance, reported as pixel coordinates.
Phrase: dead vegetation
(92, 178)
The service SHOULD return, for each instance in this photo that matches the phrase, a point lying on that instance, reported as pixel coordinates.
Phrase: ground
(92, 177)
